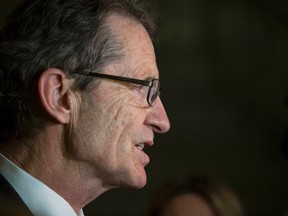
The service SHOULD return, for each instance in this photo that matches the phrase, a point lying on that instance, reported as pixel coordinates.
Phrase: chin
(137, 182)
(137, 185)
(141, 184)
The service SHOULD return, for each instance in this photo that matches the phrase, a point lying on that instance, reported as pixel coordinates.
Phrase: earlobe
(54, 92)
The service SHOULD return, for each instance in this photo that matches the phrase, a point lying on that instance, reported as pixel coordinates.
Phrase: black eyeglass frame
(148, 83)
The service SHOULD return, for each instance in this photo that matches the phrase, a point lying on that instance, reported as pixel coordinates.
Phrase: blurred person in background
(196, 196)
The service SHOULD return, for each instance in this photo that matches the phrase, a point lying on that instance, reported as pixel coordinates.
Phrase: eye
(139, 88)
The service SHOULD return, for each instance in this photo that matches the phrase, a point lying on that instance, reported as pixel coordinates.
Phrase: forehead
(139, 58)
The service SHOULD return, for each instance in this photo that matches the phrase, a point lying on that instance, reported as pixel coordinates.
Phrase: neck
(46, 158)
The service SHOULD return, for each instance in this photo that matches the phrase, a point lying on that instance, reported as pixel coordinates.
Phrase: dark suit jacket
(10, 202)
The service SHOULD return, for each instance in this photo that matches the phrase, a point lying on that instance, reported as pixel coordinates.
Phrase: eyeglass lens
(154, 92)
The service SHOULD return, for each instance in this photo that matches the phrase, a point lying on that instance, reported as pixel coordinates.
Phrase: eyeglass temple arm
(124, 79)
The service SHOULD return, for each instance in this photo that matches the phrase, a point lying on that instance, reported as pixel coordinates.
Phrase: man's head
(48, 48)
(69, 35)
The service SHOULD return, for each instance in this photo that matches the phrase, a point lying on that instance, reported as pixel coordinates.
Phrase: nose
(157, 118)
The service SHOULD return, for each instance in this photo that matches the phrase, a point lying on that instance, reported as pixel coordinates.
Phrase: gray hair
(70, 35)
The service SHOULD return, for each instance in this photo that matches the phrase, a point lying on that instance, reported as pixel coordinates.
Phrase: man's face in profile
(116, 123)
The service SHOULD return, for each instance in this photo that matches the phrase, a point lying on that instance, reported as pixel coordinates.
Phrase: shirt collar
(39, 198)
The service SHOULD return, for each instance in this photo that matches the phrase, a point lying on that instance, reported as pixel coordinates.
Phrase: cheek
(125, 126)
(108, 115)
(106, 129)
(119, 115)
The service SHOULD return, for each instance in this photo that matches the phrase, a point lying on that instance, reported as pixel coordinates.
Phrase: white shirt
(39, 198)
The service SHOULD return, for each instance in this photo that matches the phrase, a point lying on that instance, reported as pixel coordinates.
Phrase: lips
(142, 146)
(143, 157)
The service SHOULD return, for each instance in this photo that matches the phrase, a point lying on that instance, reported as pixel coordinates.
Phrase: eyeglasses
(154, 84)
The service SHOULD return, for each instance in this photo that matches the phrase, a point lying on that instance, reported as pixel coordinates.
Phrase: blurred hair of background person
(196, 196)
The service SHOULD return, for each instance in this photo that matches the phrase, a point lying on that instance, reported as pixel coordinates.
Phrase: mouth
(140, 146)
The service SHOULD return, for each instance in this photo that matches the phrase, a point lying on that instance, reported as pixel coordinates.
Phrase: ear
(55, 94)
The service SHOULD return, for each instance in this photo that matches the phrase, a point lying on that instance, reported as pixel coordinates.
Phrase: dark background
(224, 73)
